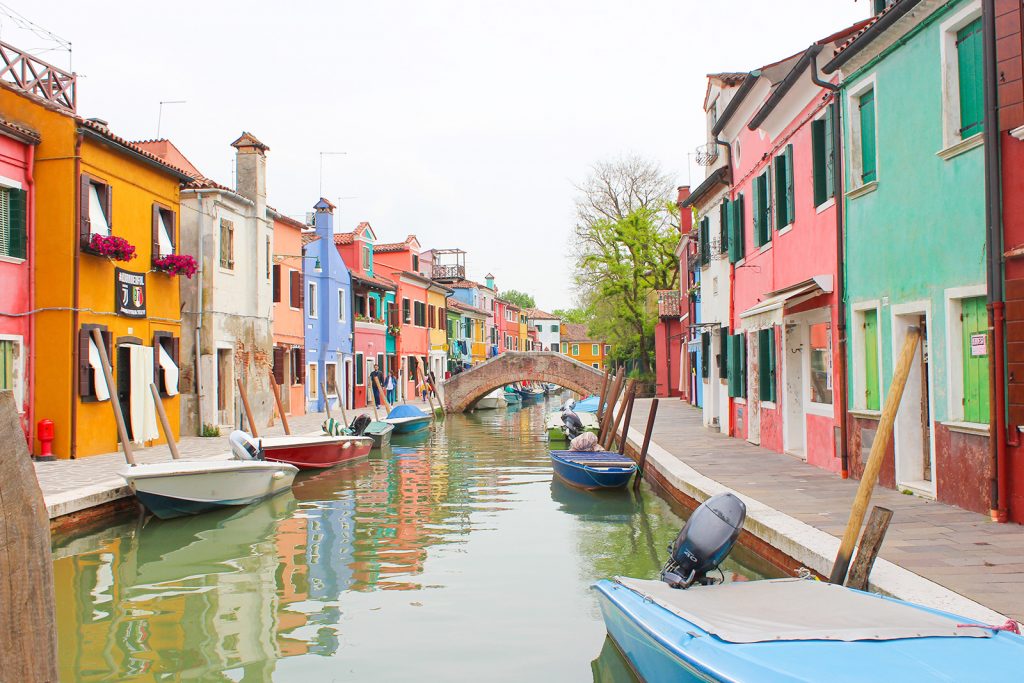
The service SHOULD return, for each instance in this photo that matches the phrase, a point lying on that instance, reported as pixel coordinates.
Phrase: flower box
(176, 264)
(111, 247)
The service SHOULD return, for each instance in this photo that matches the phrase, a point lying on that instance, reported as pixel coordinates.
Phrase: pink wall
(288, 322)
(16, 160)
(414, 340)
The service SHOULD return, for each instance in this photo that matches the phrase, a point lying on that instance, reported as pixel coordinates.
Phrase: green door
(974, 320)
(872, 398)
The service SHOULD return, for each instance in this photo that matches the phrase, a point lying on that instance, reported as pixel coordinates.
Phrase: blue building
(327, 314)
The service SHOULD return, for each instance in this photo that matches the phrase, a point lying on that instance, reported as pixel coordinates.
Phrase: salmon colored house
(287, 322)
(400, 263)
(98, 186)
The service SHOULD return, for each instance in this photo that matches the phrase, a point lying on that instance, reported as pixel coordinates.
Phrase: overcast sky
(464, 123)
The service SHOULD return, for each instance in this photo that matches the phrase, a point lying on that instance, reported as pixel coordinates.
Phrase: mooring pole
(647, 443)
(248, 410)
(625, 424)
(383, 397)
(276, 388)
(613, 396)
(108, 377)
(875, 457)
(601, 396)
(323, 392)
(614, 431)
(162, 414)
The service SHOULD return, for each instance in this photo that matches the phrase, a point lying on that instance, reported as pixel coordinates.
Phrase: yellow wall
(135, 185)
(524, 333)
(479, 351)
(438, 337)
(585, 351)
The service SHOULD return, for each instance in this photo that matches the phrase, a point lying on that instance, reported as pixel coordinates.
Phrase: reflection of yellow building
(94, 185)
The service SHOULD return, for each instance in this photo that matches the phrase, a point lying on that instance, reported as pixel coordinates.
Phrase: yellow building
(524, 331)
(437, 319)
(579, 344)
(93, 185)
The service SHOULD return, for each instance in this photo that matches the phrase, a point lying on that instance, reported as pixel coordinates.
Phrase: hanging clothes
(142, 411)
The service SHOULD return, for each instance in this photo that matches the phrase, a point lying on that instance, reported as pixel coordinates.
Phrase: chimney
(489, 281)
(685, 214)
(251, 170)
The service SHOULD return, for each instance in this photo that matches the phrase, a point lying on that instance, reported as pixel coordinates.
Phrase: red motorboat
(314, 452)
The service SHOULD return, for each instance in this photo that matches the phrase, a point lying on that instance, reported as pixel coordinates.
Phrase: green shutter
(758, 214)
(6, 364)
(790, 203)
(779, 178)
(724, 229)
(872, 397)
(735, 230)
(723, 352)
(766, 364)
(768, 222)
(743, 363)
(819, 158)
(739, 224)
(705, 245)
(969, 64)
(974, 321)
(705, 353)
(733, 365)
(867, 137)
(17, 234)
(830, 152)
(359, 368)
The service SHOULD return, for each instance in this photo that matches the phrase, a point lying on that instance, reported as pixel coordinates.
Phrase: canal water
(452, 556)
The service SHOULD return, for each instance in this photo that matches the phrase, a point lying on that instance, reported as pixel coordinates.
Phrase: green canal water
(452, 556)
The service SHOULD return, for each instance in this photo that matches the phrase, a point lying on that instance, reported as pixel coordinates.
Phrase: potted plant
(112, 247)
(176, 264)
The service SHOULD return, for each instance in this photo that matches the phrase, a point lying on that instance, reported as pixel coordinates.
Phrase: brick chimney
(685, 214)
(251, 170)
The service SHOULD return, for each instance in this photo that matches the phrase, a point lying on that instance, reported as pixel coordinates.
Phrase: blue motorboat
(689, 627)
(407, 419)
(592, 469)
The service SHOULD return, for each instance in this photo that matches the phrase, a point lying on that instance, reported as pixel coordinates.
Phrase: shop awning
(768, 312)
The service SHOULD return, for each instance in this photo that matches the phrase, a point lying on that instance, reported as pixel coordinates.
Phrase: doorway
(124, 387)
(915, 456)
(793, 361)
(225, 378)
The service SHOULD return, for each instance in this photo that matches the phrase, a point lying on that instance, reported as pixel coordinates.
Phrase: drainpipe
(75, 360)
(199, 314)
(837, 181)
(29, 253)
(994, 267)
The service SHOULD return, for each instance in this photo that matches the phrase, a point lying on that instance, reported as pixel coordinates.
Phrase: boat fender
(243, 447)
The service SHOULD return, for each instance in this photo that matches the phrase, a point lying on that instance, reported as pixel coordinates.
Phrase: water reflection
(451, 556)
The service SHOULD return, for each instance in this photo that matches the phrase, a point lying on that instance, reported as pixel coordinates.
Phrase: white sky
(465, 123)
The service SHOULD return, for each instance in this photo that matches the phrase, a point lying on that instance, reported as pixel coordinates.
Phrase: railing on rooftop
(36, 77)
(443, 272)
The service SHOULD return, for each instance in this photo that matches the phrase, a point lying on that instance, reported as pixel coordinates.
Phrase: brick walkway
(963, 551)
(72, 485)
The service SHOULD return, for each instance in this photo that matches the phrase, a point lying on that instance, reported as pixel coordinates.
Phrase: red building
(400, 262)
(668, 341)
(507, 325)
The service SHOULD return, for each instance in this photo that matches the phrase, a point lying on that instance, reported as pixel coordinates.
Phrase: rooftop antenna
(322, 155)
(160, 115)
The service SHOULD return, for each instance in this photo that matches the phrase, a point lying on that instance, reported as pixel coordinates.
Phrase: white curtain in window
(142, 410)
(102, 394)
(164, 233)
(98, 224)
(170, 371)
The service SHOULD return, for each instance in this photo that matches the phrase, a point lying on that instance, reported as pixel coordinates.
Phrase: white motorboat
(491, 401)
(187, 487)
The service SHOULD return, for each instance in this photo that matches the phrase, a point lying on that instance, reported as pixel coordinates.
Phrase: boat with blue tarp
(592, 469)
(406, 419)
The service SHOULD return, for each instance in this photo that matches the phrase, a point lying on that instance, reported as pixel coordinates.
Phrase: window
(368, 259)
(298, 360)
(738, 366)
(723, 354)
(314, 385)
(341, 305)
(467, 329)
(406, 314)
(431, 316)
(974, 355)
(554, 329)
(970, 76)
(92, 386)
(705, 352)
(869, 325)
(554, 347)
(372, 307)
(866, 116)
(783, 167)
(7, 360)
(295, 289)
(268, 255)
(95, 208)
(762, 209)
(359, 370)
(823, 156)
(276, 283)
(575, 349)
(766, 364)
(565, 347)
(162, 230)
(540, 328)
(360, 305)
(821, 363)
(596, 366)
(12, 222)
(227, 244)
(311, 299)
(331, 378)
(704, 238)
(879, 5)
(595, 349)
(419, 314)
(737, 230)
(723, 225)
(607, 349)
(165, 363)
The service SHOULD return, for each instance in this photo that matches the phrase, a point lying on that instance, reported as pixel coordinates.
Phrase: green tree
(520, 299)
(572, 315)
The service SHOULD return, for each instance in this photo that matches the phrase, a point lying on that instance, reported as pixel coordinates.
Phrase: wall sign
(979, 344)
(130, 293)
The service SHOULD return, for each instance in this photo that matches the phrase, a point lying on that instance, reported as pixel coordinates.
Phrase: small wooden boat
(592, 469)
(556, 429)
(512, 397)
(380, 432)
(188, 487)
(530, 394)
(491, 401)
(406, 419)
(313, 452)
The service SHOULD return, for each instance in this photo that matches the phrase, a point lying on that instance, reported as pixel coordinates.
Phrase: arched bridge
(462, 390)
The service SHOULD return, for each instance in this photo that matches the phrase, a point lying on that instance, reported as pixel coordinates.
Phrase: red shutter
(83, 210)
(300, 288)
(277, 282)
(294, 289)
(279, 364)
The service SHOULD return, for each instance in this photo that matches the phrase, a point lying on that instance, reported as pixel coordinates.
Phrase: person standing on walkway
(376, 379)
(390, 387)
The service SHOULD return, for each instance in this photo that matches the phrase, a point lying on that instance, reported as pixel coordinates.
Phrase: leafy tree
(520, 299)
(572, 315)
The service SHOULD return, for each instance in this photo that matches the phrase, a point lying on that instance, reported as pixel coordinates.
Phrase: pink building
(17, 237)
(400, 263)
(287, 323)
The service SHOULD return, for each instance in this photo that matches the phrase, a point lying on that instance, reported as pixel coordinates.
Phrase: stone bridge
(462, 390)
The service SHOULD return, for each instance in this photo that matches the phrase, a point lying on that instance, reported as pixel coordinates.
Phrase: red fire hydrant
(44, 431)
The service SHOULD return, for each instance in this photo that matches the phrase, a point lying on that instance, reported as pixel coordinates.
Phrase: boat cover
(797, 609)
(587, 405)
(406, 411)
(595, 458)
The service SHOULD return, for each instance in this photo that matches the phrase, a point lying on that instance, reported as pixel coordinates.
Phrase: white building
(548, 329)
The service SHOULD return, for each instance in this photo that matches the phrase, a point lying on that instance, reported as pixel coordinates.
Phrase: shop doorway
(225, 394)
(124, 387)
(915, 457)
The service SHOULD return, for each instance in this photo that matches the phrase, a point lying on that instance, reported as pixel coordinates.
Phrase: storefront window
(821, 363)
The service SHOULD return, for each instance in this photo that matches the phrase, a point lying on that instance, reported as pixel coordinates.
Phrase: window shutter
(724, 228)
(740, 222)
(84, 369)
(295, 289)
(790, 203)
(17, 217)
(302, 366)
(758, 211)
(705, 353)
(867, 136)
(743, 363)
(830, 152)
(969, 65)
(84, 229)
(723, 352)
(154, 234)
(108, 194)
(763, 365)
(157, 375)
(276, 278)
(767, 223)
(279, 364)
(974, 321)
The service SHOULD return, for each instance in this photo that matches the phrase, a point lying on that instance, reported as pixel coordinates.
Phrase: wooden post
(614, 428)
(276, 388)
(874, 464)
(423, 382)
(383, 396)
(28, 624)
(341, 407)
(613, 397)
(162, 414)
(600, 400)
(647, 443)
(108, 377)
(323, 394)
(248, 410)
(625, 424)
(870, 544)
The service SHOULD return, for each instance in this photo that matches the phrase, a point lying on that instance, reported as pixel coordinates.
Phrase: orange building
(579, 344)
(287, 324)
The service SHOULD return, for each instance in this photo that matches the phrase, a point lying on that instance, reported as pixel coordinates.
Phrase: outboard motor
(572, 424)
(569, 405)
(360, 424)
(243, 447)
(705, 541)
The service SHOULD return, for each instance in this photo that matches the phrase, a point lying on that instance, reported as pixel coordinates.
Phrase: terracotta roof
(287, 220)
(537, 314)
(389, 247)
(460, 306)
(309, 236)
(508, 303)
(247, 139)
(882, 20)
(469, 284)
(24, 133)
(575, 332)
(374, 281)
(170, 154)
(101, 130)
(668, 303)
(344, 237)
(729, 78)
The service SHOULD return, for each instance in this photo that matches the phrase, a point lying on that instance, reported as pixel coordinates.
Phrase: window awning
(98, 380)
(170, 371)
(768, 312)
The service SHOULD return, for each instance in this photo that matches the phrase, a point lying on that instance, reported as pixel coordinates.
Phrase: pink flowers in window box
(112, 247)
(176, 264)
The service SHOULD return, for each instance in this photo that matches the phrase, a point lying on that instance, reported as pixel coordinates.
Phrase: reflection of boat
(610, 666)
(491, 401)
(380, 432)
(690, 627)
(186, 487)
(556, 429)
(407, 419)
(592, 469)
(314, 452)
(614, 505)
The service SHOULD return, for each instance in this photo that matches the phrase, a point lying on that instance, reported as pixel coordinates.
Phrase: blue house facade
(328, 315)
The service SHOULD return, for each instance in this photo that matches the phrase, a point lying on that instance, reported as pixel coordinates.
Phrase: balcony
(37, 78)
(448, 272)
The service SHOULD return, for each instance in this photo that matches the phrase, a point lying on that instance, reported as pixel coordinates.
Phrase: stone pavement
(71, 486)
(960, 550)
